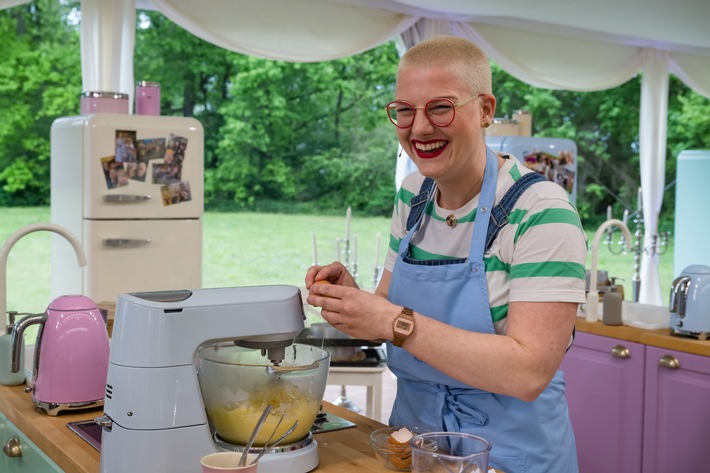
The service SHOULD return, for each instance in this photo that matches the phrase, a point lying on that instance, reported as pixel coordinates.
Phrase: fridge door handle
(125, 242)
(125, 198)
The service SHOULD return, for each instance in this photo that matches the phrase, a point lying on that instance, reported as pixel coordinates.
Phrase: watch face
(403, 325)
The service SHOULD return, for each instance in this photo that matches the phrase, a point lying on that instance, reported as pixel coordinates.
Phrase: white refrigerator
(554, 158)
(130, 187)
(692, 194)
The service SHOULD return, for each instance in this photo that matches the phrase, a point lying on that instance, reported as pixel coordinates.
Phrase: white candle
(377, 250)
(608, 212)
(348, 214)
(355, 249)
(625, 219)
(315, 249)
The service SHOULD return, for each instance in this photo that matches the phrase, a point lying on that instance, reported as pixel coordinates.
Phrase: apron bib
(527, 437)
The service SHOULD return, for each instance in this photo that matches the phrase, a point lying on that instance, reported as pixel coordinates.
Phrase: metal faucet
(51, 227)
(593, 295)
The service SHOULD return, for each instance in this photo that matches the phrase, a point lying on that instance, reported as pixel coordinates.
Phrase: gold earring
(486, 125)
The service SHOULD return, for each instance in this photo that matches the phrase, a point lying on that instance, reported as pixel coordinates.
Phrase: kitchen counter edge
(660, 338)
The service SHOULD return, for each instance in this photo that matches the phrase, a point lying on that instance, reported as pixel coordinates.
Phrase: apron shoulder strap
(499, 215)
(501, 212)
(418, 202)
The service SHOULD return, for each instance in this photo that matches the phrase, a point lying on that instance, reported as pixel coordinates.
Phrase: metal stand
(343, 401)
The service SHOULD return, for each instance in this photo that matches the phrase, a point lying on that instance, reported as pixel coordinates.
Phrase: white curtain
(11, 3)
(107, 43)
(555, 62)
(296, 31)
(652, 150)
(693, 70)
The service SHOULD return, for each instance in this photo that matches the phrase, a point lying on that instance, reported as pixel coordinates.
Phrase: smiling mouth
(430, 149)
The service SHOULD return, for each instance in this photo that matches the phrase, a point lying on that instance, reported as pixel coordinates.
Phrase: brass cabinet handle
(620, 351)
(669, 361)
(12, 448)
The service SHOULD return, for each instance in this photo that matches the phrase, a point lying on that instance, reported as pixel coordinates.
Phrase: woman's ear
(488, 108)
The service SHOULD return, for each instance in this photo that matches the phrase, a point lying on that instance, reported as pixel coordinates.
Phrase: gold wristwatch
(403, 326)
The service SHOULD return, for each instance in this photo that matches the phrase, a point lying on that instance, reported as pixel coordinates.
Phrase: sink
(646, 316)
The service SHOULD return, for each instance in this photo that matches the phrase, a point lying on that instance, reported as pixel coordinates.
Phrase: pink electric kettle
(71, 355)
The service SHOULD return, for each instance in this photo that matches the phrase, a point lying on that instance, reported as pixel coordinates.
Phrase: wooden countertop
(342, 451)
(660, 338)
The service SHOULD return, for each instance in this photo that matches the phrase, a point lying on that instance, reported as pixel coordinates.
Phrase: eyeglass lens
(440, 112)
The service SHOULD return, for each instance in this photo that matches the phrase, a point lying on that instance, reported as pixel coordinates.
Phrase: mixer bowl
(237, 384)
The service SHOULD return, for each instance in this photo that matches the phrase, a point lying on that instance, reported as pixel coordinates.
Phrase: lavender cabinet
(637, 408)
(676, 430)
(604, 379)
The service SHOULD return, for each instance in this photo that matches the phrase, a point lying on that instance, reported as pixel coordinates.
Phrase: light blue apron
(527, 437)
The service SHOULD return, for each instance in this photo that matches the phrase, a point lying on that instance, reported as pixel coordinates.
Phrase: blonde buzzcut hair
(462, 56)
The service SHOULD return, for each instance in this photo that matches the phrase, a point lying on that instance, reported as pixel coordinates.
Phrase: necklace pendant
(451, 221)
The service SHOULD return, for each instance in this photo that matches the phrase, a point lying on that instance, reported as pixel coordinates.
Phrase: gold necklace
(451, 219)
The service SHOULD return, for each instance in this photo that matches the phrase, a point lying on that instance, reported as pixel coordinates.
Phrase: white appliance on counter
(692, 227)
(554, 158)
(130, 187)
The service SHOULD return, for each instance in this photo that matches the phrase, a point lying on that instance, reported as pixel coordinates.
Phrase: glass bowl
(237, 384)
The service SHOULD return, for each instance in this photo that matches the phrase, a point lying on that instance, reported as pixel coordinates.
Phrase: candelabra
(658, 246)
(376, 276)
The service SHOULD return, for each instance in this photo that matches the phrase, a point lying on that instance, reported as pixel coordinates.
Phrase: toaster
(690, 302)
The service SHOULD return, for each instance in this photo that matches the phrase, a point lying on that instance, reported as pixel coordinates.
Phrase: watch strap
(400, 334)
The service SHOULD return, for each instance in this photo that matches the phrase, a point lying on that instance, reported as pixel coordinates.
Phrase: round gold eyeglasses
(440, 112)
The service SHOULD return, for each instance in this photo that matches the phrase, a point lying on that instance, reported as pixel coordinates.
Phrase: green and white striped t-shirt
(538, 256)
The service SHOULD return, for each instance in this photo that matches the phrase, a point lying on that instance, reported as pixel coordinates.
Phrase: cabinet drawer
(32, 459)
(141, 255)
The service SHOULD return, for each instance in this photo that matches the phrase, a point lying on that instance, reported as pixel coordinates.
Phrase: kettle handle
(17, 332)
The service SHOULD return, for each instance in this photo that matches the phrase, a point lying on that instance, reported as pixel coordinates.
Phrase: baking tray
(324, 335)
(373, 357)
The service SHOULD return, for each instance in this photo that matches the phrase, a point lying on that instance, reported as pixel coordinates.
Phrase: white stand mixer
(155, 419)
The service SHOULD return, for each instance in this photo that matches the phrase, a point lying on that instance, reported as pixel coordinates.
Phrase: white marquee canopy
(559, 44)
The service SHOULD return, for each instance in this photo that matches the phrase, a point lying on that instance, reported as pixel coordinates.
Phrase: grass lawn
(242, 249)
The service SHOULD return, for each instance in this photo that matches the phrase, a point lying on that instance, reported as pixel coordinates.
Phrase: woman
(475, 336)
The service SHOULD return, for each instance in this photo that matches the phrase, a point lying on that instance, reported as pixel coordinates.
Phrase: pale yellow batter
(236, 422)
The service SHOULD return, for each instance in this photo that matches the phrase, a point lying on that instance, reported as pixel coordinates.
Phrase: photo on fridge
(114, 172)
(175, 193)
(178, 146)
(166, 173)
(150, 148)
(125, 146)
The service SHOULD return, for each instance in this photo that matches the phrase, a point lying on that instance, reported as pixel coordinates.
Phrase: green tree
(308, 133)
(40, 80)
(193, 74)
